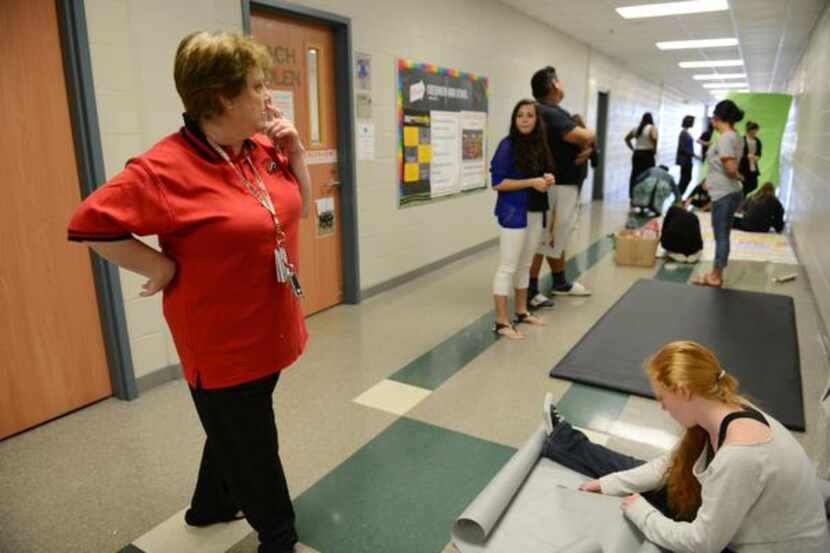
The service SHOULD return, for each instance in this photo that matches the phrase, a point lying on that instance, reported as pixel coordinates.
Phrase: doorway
(312, 85)
(602, 131)
(53, 358)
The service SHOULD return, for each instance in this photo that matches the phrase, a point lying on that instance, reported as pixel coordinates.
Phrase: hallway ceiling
(772, 35)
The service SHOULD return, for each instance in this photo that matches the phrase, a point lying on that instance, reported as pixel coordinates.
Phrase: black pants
(640, 161)
(571, 448)
(685, 178)
(241, 467)
(750, 182)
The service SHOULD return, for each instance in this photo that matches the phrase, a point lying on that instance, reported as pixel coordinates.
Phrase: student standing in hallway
(225, 195)
(685, 154)
(522, 173)
(571, 147)
(724, 185)
(705, 138)
(644, 149)
(749, 161)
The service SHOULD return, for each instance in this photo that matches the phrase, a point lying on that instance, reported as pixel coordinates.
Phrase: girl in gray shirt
(724, 185)
(736, 479)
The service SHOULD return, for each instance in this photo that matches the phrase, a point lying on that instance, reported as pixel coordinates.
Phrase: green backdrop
(771, 112)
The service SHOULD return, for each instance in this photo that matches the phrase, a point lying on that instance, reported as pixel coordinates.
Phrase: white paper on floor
(748, 246)
(532, 505)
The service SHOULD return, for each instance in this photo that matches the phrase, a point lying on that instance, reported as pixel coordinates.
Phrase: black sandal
(507, 330)
(528, 318)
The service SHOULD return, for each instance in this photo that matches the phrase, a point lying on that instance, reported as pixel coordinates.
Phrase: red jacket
(231, 321)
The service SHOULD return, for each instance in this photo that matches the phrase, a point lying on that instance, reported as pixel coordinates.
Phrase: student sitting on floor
(651, 189)
(681, 236)
(736, 479)
(761, 211)
(700, 197)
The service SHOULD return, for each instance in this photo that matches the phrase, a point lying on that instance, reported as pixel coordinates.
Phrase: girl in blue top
(522, 172)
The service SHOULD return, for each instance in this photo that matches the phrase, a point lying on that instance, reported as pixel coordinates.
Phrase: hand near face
(281, 131)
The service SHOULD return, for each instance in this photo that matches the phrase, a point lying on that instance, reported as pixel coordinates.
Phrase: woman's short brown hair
(210, 65)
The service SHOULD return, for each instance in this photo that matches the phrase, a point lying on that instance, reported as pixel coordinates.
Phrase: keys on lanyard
(284, 268)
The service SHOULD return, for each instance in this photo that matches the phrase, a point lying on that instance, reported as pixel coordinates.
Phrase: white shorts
(516, 248)
(565, 206)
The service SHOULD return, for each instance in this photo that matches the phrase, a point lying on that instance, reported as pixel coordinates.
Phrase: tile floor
(399, 413)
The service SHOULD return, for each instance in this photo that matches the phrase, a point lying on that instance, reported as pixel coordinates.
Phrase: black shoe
(550, 414)
(200, 520)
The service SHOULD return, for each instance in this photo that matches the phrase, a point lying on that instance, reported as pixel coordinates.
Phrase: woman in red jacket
(224, 195)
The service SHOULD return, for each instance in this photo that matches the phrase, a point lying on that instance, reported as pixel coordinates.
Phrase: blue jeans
(723, 214)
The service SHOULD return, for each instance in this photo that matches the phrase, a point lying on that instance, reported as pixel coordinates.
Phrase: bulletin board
(442, 132)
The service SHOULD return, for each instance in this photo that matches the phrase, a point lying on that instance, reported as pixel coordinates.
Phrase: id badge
(279, 263)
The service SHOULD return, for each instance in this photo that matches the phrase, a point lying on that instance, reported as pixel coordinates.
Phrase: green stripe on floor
(434, 367)
(674, 272)
(401, 492)
(590, 407)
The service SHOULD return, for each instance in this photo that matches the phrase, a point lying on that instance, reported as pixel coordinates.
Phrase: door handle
(335, 184)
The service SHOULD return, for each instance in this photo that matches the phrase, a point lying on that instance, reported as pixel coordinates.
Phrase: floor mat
(753, 334)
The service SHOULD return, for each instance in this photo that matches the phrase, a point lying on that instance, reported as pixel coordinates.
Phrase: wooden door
(303, 86)
(52, 357)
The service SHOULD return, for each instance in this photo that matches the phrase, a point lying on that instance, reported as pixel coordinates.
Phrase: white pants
(516, 249)
(564, 202)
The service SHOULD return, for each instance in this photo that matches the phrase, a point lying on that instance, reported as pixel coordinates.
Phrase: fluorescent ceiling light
(714, 63)
(705, 43)
(672, 8)
(725, 85)
(722, 93)
(719, 76)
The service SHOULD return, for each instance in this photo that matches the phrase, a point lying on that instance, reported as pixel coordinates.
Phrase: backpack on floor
(651, 193)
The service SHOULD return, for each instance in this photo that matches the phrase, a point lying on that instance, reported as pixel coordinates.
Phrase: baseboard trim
(421, 271)
(158, 377)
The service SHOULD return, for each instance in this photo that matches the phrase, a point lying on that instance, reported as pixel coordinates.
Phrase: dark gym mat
(753, 334)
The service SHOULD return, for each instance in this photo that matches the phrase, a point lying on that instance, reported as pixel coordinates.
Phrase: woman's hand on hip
(161, 277)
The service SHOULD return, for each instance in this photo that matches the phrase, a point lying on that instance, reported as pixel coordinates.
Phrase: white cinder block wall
(133, 43)
(805, 163)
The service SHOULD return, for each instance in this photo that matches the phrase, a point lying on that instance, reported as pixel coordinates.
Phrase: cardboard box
(632, 249)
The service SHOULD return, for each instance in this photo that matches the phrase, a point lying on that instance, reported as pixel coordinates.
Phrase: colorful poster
(474, 147)
(444, 173)
(442, 119)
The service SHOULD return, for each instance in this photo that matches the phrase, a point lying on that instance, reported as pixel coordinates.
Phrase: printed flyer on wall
(442, 129)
